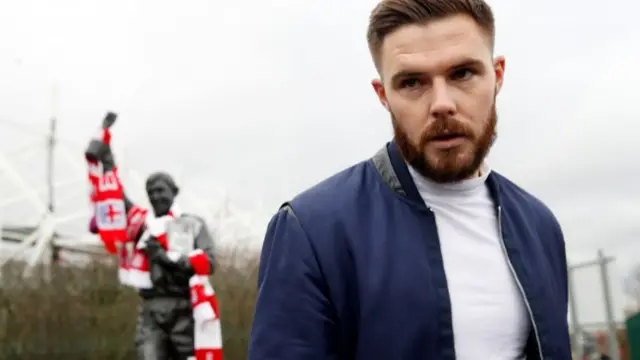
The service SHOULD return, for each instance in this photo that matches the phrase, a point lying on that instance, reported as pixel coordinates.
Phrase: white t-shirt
(490, 318)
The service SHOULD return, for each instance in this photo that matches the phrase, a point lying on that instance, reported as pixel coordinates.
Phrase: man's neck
(426, 185)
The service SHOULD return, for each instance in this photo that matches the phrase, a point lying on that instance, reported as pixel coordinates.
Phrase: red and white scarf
(118, 232)
(137, 270)
(208, 331)
(107, 199)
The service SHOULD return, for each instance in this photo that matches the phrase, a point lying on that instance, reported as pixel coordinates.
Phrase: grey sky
(265, 98)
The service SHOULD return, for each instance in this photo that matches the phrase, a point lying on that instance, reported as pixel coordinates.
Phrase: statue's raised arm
(110, 204)
(99, 151)
(99, 146)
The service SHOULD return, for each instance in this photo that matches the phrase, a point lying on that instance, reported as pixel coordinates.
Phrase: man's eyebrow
(463, 63)
(468, 63)
(405, 74)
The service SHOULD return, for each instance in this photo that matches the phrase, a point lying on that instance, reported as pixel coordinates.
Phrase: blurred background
(248, 103)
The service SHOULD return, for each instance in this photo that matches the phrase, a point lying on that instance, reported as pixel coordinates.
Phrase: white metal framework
(30, 230)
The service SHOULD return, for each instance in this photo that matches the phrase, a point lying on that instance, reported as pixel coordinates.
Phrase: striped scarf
(107, 200)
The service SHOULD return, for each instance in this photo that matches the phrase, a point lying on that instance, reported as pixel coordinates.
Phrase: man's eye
(410, 83)
(462, 74)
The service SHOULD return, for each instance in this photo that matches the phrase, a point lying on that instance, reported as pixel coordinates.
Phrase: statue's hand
(109, 120)
(156, 252)
(96, 150)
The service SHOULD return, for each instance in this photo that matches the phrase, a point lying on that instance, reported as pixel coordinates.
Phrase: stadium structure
(44, 206)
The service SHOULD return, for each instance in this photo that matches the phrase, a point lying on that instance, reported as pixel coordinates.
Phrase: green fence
(633, 336)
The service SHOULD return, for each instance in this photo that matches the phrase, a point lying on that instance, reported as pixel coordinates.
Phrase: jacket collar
(391, 166)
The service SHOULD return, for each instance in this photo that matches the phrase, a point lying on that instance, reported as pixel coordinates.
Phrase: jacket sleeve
(293, 318)
(562, 253)
(564, 282)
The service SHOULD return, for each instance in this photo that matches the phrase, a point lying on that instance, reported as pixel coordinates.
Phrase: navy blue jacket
(351, 269)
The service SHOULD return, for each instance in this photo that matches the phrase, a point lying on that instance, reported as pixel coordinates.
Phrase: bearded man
(422, 251)
(167, 255)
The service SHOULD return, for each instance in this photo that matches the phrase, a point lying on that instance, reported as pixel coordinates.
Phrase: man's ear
(499, 67)
(380, 92)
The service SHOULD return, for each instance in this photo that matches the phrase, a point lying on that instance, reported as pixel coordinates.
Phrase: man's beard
(449, 165)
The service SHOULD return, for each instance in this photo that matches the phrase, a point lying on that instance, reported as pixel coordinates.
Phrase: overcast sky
(265, 98)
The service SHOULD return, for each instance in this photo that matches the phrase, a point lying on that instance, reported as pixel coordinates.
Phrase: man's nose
(442, 105)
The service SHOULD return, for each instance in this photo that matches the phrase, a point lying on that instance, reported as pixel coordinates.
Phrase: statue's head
(162, 191)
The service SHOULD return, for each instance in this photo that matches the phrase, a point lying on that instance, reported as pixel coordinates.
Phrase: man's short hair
(390, 15)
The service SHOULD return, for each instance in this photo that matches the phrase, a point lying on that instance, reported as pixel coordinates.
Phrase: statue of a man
(165, 328)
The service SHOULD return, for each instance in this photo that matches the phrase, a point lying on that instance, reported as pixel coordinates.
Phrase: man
(166, 326)
(423, 251)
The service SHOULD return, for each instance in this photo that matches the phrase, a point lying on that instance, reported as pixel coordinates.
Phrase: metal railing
(577, 327)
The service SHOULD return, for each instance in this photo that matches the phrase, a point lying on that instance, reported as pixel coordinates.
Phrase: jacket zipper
(522, 292)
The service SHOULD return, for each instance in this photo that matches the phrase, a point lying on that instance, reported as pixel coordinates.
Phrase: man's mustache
(445, 128)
